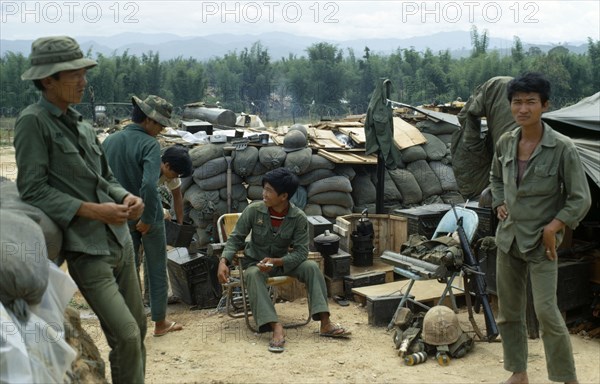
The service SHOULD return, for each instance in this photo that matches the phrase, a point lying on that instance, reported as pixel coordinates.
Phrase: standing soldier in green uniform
(63, 171)
(539, 187)
(134, 157)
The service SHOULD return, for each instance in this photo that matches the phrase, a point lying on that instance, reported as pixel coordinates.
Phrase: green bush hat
(50, 55)
(155, 108)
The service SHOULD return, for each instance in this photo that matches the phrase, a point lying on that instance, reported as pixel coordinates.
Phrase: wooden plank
(357, 134)
(422, 290)
(326, 138)
(378, 266)
(348, 158)
(406, 135)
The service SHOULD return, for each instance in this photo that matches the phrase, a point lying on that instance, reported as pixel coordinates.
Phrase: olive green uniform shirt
(554, 186)
(134, 157)
(265, 242)
(61, 165)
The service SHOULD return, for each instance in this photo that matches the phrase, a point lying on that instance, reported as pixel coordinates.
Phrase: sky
(542, 21)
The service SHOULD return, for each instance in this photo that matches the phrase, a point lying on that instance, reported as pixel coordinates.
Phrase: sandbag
(186, 182)
(24, 272)
(313, 210)
(428, 181)
(259, 169)
(363, 189)
(333, 211)
(319, 162)
(335, 183)
(314, 176)
(446, 138)
(414, 153)
(254, 192)
(206, 152)
(345, 170)
(211, 168)
(372, 207)
(436, 128)
(53, 236)
(255, 180)
(445, 175)
(217, 182)
(391, 193)
(244, 161)
(407, 185)
(204, 236)
(199, 198)
(434, 148)
(333, 197)
(204, 216)
(272, 157)
(299, 198)
(298, 161)
(238, 192)
(453, 197)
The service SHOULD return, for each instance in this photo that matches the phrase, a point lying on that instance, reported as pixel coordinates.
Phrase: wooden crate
(335, 287)
(390, 232)
(296, 290)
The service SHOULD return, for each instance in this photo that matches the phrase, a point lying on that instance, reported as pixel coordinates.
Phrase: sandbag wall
(326, 189)
(424, 176)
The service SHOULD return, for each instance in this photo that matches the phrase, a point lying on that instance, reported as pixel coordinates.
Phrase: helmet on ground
(294, 141)
(299, 127)
(440, 326)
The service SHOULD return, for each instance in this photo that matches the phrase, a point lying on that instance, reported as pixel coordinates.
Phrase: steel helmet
(294, 141)
(299, 127)
(440, 326)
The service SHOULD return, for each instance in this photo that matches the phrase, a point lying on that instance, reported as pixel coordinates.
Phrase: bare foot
(518, 378)
(278, 335)
(163, 327)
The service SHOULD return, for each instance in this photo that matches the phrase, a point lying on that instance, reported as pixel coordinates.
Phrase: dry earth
(214, 348)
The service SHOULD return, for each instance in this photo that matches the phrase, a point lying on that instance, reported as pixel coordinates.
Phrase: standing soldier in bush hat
(134, 156)
(63, 171)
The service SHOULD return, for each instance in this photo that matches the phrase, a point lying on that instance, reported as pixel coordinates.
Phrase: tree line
(329, 81)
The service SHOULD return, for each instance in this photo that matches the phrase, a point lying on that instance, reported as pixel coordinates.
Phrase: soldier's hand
(136, 206)
(142, 227)
(223, 272)
(111, 213)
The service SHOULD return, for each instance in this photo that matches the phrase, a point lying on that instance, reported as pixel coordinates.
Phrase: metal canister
(415, 358)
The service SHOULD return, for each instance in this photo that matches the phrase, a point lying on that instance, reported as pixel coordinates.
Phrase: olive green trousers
(511, 280)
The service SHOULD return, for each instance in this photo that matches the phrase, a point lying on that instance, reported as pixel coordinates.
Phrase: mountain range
(279, 44)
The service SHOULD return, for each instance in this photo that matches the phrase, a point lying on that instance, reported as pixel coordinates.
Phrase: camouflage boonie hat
(50, 55)
(155, 108)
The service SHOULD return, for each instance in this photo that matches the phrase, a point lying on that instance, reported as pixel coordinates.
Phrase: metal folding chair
(234, 291)
(417, 270)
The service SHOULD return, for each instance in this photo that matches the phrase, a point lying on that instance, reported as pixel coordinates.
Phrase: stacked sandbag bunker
(423, 176)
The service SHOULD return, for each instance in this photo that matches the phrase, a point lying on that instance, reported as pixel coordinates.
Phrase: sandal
(277, 346)
(336, 331)
(341, 300)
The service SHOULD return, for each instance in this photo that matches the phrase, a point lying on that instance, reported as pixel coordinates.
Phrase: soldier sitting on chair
(278, 247)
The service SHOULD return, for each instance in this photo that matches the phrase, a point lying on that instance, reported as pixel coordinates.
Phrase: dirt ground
(214, 348)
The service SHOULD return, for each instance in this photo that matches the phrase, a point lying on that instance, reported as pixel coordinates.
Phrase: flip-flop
(277, 346)
(171, 328)
(336, 331)
(341, 300)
